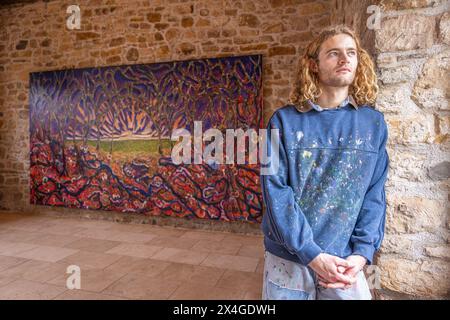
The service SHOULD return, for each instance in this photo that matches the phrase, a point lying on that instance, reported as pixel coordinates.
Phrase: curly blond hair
(364, 88)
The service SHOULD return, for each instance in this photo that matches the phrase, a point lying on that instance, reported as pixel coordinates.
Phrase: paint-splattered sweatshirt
(328, 193)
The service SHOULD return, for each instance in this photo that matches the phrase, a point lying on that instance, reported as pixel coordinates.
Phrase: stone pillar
(411, 52)
(413, 60)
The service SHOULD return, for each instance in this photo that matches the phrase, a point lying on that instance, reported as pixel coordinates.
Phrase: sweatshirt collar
(309, 105)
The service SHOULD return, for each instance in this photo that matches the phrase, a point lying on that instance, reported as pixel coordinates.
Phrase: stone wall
(411, 50)
(413, 58)
(353, 13)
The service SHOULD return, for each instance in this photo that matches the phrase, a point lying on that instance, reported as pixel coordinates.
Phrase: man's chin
(341, 82)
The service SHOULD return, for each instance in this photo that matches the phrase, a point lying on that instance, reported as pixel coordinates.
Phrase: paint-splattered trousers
(287, 280)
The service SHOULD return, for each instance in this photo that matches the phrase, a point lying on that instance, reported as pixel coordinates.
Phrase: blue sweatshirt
(328, 193)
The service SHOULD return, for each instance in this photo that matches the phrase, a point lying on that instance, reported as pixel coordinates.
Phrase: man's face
(337, 61)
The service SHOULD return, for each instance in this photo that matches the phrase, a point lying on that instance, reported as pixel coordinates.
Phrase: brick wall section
(34, 37)
(411, 51)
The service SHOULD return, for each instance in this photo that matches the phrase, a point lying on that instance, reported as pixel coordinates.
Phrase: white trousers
(287, 280)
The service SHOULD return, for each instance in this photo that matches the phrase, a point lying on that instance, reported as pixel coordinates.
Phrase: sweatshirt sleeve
(285, 220)
(369, 230)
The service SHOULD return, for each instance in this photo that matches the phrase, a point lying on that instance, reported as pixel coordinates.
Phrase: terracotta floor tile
(29, 290)
(85, 295)
(217, 246)
(30, 225)
(46, 253)
(132, 237)
(113, 235)
(203, 235)
(166, 231)
(251, 251)
(132, 227)
(39, 271)
(94, 280)
(125, 261)
(135, 250)
(91, 260)
(5, 280)
(195, 291)
(191, 273)
(172, 242)
(138, 286)
(55, 240)
(231, 262)
(252, 295)
(260, 267)
(245, 240)
(99, 234)
(148, 267)
(94, 245)
(14, 248)
(180, 256)
(244, 281)
(62, 230)
(93, 224)
(9, 262)
(19, 236)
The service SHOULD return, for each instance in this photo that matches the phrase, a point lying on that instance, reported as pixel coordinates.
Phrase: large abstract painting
(100, 138)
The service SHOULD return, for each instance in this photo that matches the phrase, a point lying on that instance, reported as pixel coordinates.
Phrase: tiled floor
(124, 261)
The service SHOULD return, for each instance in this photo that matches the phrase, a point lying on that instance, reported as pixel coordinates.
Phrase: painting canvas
(100, 137)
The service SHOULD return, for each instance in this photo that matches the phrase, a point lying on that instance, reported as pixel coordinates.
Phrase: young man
(325, 205)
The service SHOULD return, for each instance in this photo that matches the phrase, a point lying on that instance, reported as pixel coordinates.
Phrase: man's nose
(344, 59)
